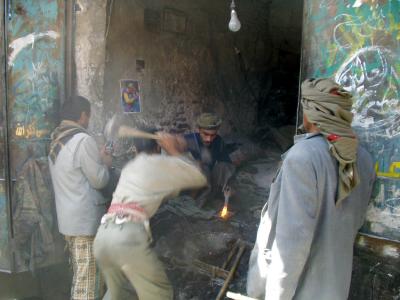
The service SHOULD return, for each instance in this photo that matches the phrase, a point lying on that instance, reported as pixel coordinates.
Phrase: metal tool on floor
(223, 273)
(202, 268)
(227, 193)
(237, 251)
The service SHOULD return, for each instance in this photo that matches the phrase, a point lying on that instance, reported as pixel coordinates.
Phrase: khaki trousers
(124, 255)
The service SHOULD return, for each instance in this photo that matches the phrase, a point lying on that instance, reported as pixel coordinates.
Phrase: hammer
(125, 131)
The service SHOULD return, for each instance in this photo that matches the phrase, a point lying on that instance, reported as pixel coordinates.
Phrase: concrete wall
(190, 68)
(90, 52)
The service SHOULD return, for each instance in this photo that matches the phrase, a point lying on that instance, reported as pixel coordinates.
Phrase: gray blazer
(304, 247)
(77, 174)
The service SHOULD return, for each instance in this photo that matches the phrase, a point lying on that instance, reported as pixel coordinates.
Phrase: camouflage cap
(209, 121)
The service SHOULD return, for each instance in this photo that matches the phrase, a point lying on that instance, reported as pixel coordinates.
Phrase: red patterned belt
(123, 208)
(120, 213)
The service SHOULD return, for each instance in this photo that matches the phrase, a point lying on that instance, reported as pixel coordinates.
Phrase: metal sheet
(358, 43)
(35, 82)
(36, 75)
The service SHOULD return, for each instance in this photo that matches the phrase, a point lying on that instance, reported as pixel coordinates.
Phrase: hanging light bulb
(234, 23)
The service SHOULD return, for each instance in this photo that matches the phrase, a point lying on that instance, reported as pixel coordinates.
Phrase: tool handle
(125, 131)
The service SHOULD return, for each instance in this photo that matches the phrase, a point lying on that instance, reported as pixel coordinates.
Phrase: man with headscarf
(208, 148)
(317, 203)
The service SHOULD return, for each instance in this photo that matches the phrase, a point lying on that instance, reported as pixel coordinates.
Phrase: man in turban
(208, 148)
(317, 203)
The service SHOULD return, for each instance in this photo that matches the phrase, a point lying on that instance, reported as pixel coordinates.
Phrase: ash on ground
(185, 234)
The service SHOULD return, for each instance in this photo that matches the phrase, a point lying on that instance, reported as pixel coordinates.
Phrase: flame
(224, 211)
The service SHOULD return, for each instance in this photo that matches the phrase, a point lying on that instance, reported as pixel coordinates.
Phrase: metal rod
(201, 267)
(233, 4)
(233, 250)
(222, 292)
(69, 88)
(301, 73)
(9, 9)
(7, 163)
(210, 270)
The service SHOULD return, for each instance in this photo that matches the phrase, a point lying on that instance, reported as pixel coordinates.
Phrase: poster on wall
(130, 96)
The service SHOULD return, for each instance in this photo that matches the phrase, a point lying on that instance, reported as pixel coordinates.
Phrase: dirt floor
(186, 237)
(189, 240)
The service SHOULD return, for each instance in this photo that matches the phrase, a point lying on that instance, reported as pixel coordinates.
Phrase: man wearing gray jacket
(78, 169)
(317, 203)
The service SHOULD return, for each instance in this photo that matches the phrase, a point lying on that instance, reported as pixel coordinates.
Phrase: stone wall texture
(192, 62)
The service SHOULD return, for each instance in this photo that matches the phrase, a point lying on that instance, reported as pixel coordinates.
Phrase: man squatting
(208, 148)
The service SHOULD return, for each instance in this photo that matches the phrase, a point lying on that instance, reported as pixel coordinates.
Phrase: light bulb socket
(234, 23)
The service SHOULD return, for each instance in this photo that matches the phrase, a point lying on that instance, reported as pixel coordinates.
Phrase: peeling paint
(383, 219)
(19, 44)
(35, 87)
(358, 3)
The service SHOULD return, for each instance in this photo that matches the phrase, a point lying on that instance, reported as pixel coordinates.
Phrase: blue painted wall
(35, 69)
(5, 262)
(357, 42)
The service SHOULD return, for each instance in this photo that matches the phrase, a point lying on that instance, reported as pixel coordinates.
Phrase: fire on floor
(206, 255)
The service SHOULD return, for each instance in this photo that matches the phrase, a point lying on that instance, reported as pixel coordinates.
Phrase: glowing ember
(224, 212)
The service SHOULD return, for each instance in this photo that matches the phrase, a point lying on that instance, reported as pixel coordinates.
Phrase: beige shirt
(149, 179)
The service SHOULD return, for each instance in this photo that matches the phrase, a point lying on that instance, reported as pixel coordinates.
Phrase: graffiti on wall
(35, 69)
(357, 42)
(35, 64)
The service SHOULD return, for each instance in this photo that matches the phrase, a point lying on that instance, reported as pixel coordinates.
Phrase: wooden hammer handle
(125, 131)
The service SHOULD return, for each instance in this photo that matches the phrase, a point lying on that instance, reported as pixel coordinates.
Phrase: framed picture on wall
(130, 96)
(174, 21)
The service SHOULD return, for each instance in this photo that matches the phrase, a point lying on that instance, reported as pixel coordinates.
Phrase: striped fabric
(87, 283)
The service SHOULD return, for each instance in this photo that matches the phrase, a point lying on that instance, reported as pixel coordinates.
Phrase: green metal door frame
(5, 134)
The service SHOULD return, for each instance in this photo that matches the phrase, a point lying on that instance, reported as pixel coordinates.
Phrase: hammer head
(111, 128)
(110, 132)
